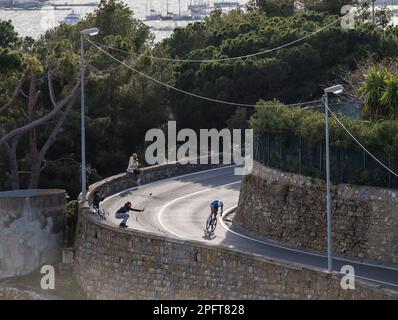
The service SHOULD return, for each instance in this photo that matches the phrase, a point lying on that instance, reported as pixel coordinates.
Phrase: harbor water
(35, 22)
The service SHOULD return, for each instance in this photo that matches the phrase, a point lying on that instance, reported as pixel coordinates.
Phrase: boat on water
(199, 9)
(182, 16)
(157, 15)
(227, 5)
(153, 14)
(169, 15)
(72, 18)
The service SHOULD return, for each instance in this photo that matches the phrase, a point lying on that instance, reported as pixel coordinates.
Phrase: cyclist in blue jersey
(214, 205)
(212, 219)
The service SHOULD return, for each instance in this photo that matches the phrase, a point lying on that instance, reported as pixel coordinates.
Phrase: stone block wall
(125, 264)
(113, 263)
(291, 208)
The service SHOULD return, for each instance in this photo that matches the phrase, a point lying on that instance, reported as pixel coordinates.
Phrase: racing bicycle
(211, 224)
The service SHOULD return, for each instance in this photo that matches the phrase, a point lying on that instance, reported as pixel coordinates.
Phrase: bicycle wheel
(213, 225)
(208, 224)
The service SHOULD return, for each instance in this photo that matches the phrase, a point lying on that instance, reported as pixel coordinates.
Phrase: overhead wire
(191, 93)
(222, 59)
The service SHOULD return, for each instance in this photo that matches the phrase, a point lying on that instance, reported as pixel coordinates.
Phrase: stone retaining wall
(112, 263)
(126, 264)
(291, 208)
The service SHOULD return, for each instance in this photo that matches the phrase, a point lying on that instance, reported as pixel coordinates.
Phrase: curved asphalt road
(179, 207)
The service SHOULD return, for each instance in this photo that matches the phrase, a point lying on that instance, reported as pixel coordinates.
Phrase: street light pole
(82, 116)
(89, 32)
(373, 11)
(336, 90)
(328, 192)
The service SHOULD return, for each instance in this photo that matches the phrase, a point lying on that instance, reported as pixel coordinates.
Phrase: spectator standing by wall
(134, 167)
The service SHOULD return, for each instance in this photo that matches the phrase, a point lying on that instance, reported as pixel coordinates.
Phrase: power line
(221, 59)
(360, 144)
(190, 93)
(330, 104)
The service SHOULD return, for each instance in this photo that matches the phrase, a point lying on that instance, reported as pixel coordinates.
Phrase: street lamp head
(90, 32)
(335, 89)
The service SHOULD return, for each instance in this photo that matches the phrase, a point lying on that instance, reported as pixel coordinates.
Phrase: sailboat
(153, 14)
(182, 16)
(169, 15)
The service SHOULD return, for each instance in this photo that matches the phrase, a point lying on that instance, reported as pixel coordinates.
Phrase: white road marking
(298, 250)
(305, 252)
(160, 213)
(169, 179)
(264, 242)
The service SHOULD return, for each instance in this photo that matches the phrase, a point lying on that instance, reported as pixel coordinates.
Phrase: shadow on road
(209, 237)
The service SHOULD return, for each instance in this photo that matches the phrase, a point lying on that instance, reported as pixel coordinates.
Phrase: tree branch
(12, 157)
(58, 127)
(40, 121)
(14, 96)
(32, 93)
(51, 89)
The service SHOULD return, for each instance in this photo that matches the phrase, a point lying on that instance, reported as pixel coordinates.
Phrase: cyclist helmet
(216, 204)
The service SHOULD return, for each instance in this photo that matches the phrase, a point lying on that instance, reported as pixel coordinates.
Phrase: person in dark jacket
(122, 213)
(97, 198)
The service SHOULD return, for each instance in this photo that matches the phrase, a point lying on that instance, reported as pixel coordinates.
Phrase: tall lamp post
(335, 90)
(83, 33)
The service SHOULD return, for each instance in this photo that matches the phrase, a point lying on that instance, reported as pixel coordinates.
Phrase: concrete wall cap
(28, 193)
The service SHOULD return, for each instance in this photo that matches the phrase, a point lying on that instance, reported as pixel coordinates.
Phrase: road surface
(179, 207)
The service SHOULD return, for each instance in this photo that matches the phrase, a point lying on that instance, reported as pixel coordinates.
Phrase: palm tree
(371, 89)
(389, 97)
